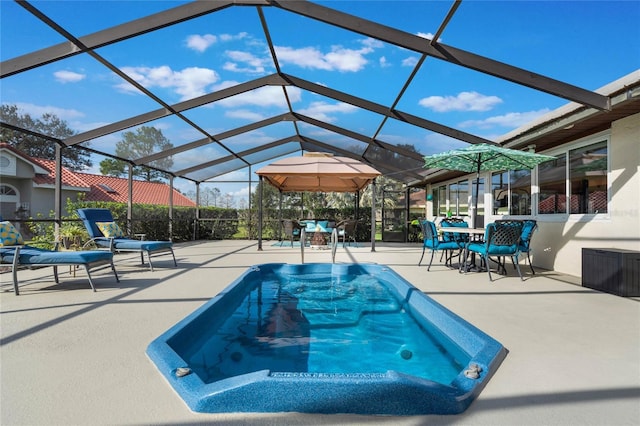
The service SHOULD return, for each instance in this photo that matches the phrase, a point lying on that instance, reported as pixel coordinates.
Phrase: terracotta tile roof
(108, 188)
(69, 178)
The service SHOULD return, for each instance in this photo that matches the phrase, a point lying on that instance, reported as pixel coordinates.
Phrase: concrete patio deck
(70, 356)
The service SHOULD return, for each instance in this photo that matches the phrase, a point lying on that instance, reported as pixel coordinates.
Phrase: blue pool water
(325, 338)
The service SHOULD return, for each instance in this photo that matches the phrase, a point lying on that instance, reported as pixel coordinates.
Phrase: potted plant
(72, 235)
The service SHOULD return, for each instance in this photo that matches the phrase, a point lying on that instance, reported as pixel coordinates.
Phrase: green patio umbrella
(484, 157)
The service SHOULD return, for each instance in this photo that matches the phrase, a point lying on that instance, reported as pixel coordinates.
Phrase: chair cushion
(494, 250)
(131, 244)
(525, 237)
(9, 235)
(442, 245)
(310, 226)
(477, 247)
(322, 226)
(110, 229)
(37, 256)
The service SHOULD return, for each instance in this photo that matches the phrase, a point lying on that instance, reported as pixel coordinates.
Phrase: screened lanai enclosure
(234, 86)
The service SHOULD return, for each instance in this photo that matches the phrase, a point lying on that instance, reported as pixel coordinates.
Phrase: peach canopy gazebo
(318, 172)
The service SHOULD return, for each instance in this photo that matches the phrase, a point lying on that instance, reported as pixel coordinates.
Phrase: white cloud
(201, 43)
(254, 64)
(266, 96)
(428, 36)
(411, 61)
(68, 76)
(244, 114)
(465, 101)
(36, 111)
(337, 59)
(188, 83)
(322, 110)
(232, 37)
(383, 62)
(372, 43)
(512, 120)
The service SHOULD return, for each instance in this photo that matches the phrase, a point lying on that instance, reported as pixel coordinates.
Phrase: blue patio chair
(528, 228)
(106, 234)
(14, 253)
(500, 240)
(434, 243)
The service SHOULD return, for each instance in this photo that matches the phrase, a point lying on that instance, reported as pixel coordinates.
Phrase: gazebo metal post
(407, 208)
(130, 201)
(373, 215)
(280, 216)
(260, 189)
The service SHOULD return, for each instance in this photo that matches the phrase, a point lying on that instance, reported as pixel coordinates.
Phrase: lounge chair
(14, 253)
(106, 234)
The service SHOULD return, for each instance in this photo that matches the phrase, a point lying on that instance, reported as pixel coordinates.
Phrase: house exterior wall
(558, 245)
(43, 201)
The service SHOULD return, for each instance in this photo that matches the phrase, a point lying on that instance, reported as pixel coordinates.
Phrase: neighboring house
(27, 187)
(588, 198)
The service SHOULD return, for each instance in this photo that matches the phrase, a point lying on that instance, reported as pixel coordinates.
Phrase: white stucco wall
(558, 246)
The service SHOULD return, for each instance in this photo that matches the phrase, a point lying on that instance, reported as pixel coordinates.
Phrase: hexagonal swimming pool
(325, 338)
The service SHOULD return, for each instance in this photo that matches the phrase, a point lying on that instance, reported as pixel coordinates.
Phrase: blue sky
(584, 43)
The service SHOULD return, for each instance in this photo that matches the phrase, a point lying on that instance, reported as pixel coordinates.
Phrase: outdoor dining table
(476, 233)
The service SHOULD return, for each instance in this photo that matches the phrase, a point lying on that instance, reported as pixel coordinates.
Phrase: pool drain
(406, 354)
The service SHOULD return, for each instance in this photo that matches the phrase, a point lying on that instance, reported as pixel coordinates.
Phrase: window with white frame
(576, 182)
(8, 191)
(511, 191)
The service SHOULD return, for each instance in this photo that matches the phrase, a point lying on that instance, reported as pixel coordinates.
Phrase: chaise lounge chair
(106, 234)
(14, 253)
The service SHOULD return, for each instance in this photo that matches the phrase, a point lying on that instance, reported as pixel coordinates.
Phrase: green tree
(49, 124)
(135, 145)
